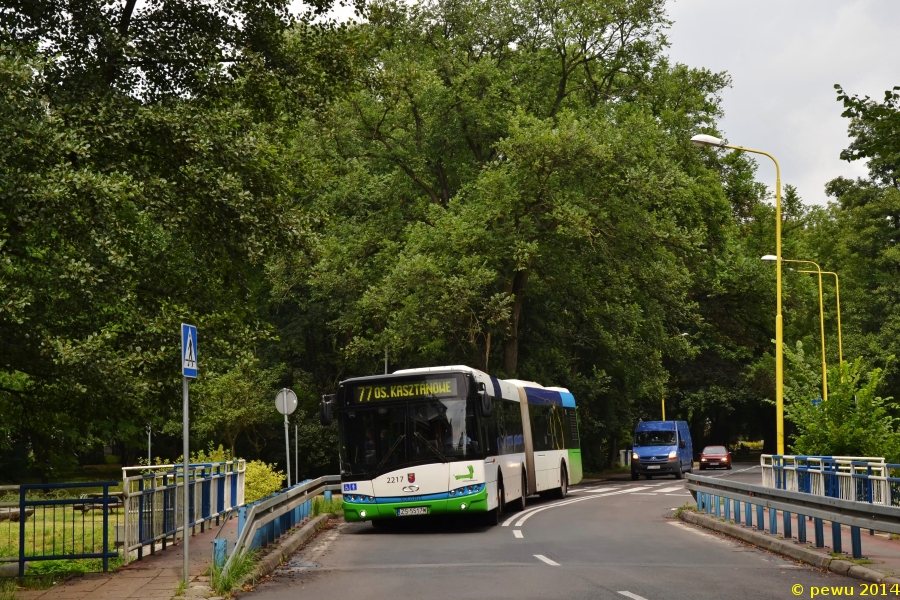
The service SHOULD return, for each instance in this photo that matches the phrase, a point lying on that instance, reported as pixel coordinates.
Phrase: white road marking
(684, 527)
(671, 489)
(518, 533)
(632, 596)
(727, 473)
(528, 513)
(595, 490)
(645, 493)
(681, 495)
(547, 560)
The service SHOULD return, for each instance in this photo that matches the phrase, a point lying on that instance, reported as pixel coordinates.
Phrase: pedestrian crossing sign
(188, 350)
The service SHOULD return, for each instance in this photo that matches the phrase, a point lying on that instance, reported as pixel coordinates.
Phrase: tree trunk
(511, 352)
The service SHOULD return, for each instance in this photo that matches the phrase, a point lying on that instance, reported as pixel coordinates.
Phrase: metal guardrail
(52, 526)
(718, 497)
(154, 498)
(855, 478)
(264, 521)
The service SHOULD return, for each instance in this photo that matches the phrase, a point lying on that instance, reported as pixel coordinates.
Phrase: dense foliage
(505, 184)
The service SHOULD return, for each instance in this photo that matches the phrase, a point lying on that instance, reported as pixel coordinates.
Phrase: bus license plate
(405, 512)
(653, 467)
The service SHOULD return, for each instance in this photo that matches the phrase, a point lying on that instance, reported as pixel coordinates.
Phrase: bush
(855, 421)
(260, 480)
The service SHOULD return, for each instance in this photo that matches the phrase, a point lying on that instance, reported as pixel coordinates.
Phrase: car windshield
(654, 438)
(387, 437)
(715, 450)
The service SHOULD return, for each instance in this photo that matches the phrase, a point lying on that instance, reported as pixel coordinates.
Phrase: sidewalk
(883, 552)
(156, 576)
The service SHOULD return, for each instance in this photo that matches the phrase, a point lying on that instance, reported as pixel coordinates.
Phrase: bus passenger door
(540, 467)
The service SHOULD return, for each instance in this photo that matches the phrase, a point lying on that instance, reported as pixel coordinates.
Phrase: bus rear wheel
(563, 488)
(519, 504)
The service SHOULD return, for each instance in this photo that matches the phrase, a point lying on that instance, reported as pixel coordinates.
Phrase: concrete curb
(789, 549)
(282, 550)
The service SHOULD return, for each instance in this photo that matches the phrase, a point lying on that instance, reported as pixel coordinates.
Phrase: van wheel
(678, 473)
(519, 504)
(634, 476)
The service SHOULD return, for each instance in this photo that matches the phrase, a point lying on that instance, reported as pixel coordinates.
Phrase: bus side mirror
(325, 416)
(486, 408)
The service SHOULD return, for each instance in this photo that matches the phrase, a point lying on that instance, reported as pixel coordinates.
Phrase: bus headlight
(362, 514)
(462, 506)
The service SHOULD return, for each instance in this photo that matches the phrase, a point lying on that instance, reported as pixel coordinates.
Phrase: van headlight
(634, 456)
(673, 455)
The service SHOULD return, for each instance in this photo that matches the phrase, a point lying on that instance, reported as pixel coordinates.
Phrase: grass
(8, 589)
(320, 506)
(682, 508)
(57, 530)
(241, 566)
(181, 587)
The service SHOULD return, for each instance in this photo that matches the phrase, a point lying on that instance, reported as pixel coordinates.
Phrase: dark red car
(715, 457)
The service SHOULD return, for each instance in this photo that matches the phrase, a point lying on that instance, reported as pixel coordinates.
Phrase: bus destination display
(436, 388)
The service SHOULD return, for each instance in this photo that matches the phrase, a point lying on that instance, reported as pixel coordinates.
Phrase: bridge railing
(264, 521)
(854, 478)
(154, 497)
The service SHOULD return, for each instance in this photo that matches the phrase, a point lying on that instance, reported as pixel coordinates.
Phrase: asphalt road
(610, 540)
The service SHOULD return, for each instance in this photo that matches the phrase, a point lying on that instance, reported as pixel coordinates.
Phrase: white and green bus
(452, 439)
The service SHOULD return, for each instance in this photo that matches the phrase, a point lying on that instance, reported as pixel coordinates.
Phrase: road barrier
(854, 478)
(57, 524)
(154, 498)
(723, 499)
(264, 521)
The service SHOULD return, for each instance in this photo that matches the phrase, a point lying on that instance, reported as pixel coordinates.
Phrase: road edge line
(789, 549)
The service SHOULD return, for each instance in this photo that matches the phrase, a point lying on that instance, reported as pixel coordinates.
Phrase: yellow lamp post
(708, 140)
(818, 272)
(837, 297)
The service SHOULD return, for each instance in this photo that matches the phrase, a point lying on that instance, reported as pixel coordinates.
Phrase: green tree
(855, 421)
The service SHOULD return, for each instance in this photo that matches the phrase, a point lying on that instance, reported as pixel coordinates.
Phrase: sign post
(188, 371)
(286, 403)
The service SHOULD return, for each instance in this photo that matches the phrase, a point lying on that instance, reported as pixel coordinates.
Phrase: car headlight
(702, 460)
(634, 456)
(673, 455)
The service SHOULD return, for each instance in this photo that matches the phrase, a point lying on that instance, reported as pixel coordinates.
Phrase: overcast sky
(784, 58)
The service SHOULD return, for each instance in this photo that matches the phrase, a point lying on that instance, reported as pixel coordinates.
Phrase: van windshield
(654, 438)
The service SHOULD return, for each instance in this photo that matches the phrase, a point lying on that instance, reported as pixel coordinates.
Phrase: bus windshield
(381, 438)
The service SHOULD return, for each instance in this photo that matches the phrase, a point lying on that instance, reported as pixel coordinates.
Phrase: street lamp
(818, 271)
(708, 140)
(837, 296)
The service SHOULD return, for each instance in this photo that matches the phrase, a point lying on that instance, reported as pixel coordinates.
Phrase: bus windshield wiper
(432, 448)
(389, 452)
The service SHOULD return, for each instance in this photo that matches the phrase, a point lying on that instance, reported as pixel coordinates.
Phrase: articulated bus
(444, 440)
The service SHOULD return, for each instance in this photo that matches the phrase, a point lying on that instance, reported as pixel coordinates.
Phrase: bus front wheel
(492, 517)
